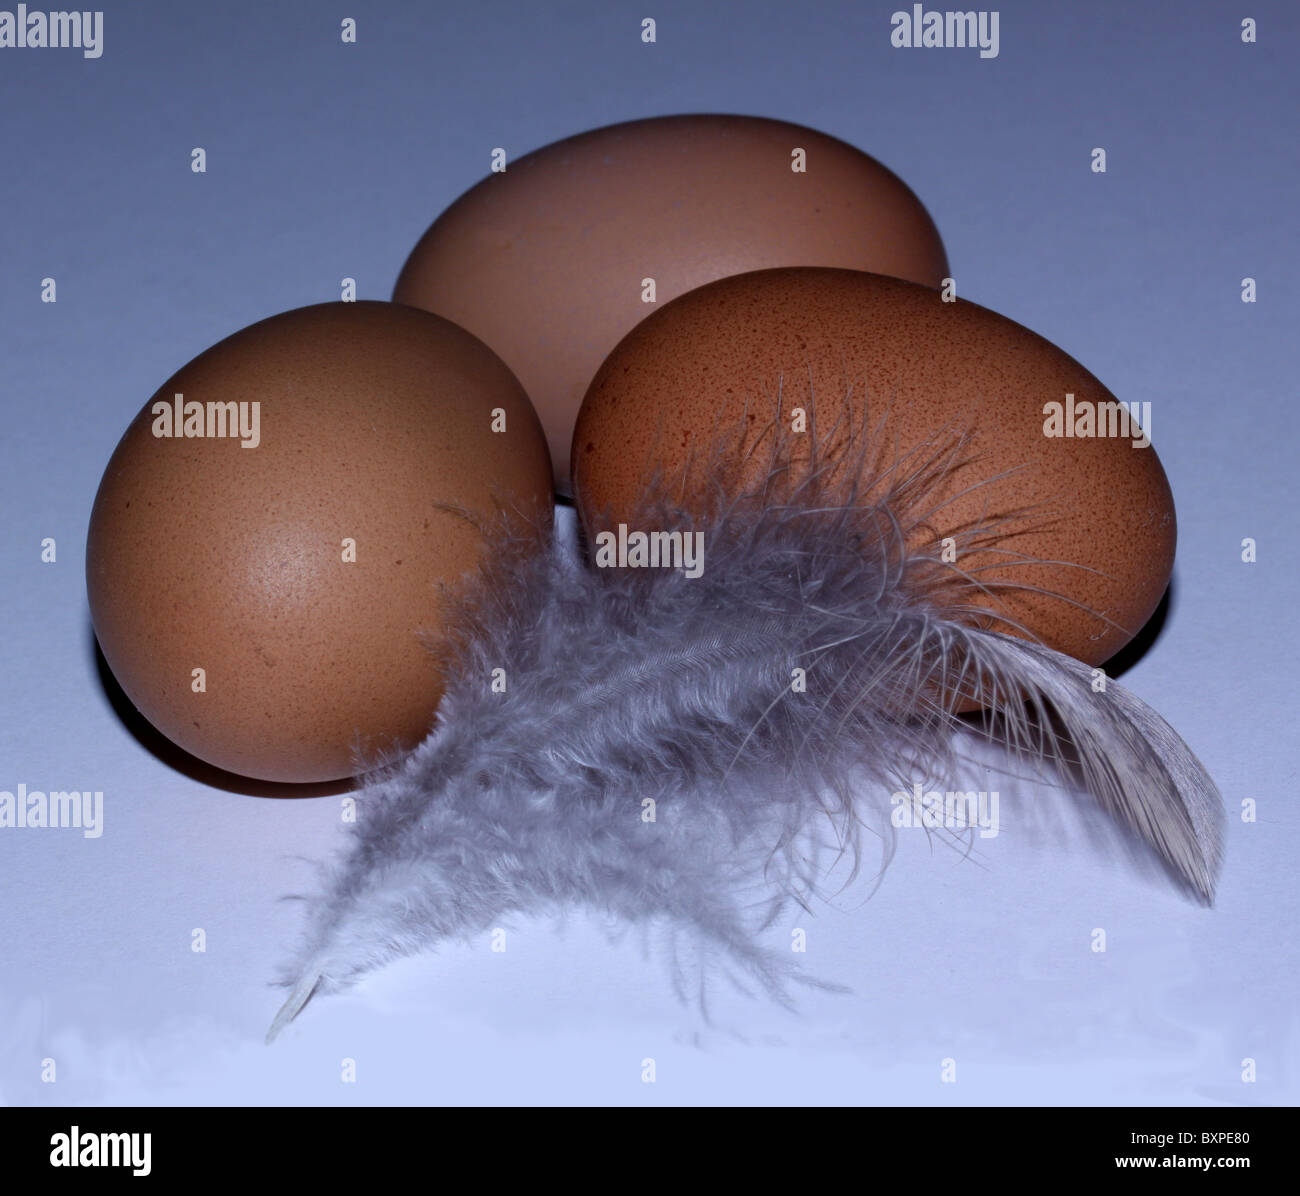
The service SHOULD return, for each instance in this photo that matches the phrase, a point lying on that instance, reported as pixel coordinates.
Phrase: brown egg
(550, 261)
(720, 353)
(297, 562)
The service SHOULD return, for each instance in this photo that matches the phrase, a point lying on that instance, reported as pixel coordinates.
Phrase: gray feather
(631, 686)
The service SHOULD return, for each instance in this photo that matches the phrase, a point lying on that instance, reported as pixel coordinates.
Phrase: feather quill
(639, 690)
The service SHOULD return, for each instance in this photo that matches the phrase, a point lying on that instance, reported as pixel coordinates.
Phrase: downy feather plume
(636, 689)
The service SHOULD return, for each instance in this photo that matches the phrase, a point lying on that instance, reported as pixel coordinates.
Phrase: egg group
(275, 538)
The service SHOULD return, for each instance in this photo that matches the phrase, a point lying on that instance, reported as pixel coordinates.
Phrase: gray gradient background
(327, 160)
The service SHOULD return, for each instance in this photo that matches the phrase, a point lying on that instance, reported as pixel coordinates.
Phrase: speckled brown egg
(260, 586)
(554, 259)
(1084, 530)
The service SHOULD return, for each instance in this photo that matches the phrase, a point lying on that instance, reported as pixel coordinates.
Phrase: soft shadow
(1140, 644)
(199, 770)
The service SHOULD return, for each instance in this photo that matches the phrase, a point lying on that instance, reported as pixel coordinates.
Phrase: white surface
(324, 166)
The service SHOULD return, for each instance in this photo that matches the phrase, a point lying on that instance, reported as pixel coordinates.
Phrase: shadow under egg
(182, 761)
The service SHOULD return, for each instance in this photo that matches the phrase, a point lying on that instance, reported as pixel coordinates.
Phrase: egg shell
(896, 352)
(204, 554)
(547, 261)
